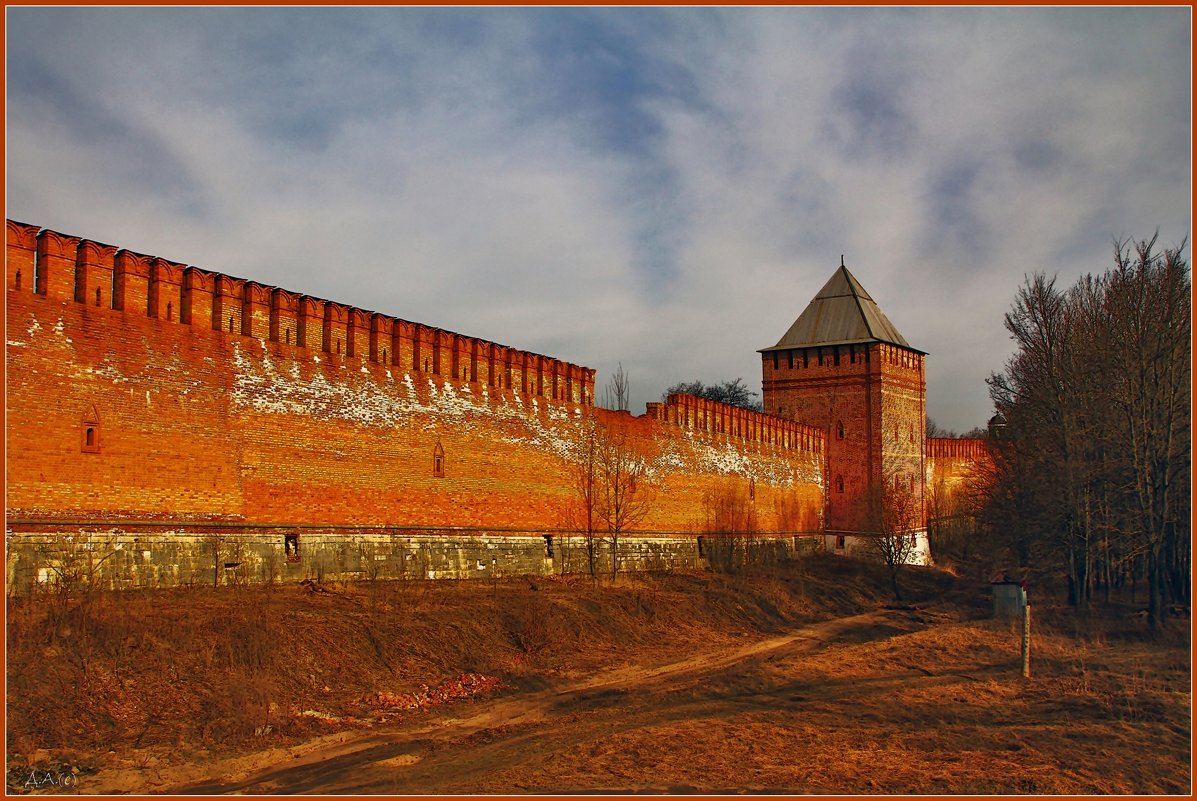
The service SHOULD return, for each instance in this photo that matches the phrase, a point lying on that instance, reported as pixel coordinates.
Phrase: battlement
(693, 413)
(951, 448)
(106, 278)
(844, 357)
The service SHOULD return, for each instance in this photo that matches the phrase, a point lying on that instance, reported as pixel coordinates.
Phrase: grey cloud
(646, 186)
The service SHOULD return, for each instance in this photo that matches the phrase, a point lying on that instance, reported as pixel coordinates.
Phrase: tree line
(1093, 469)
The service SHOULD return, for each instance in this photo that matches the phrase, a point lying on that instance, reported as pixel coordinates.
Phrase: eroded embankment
(182, 674)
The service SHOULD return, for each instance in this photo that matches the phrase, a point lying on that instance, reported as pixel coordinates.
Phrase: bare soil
(807, 678)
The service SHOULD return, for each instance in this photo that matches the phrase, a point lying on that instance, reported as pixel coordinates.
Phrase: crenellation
(475, 348)
(357, 333)
(309, 325)
(382, 334)
(131, 286)
(402, 345)
(459, 357)
(165, 292)
(421, 339)
(20, 254)
(284, 317)
(694, 413)
(334, 328)
(55, 265)
(94, 265)
(957, 448)
(255, 310)
(444, 353)
(198, 289)
(227, 304)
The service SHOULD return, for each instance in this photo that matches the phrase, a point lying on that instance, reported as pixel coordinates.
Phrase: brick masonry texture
(146, 393)
(869, 400)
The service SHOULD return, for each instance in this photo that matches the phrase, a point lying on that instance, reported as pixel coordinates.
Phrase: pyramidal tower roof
(842, 313)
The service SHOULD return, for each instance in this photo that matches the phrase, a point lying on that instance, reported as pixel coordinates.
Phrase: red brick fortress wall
(957, 469)
(144, 389)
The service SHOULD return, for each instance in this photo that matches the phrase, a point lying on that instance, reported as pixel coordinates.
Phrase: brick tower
(842, 366)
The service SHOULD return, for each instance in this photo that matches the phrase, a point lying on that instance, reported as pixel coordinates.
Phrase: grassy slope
(187, 674)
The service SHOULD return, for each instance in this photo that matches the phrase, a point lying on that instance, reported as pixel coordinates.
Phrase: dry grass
(928, 701)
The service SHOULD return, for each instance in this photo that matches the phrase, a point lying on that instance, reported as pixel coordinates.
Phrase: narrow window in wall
(230, 323)
(700, 550)
(168, 310)
(839, 542)
(291, 547)
(438, 461)
(790, 356)
(839, 483)
(90, 435)
(384, 355)
(774, 360)
(780, 410)
(839, 430)
(548, 546)
(97, 296)
(18, 279)
(288, 333)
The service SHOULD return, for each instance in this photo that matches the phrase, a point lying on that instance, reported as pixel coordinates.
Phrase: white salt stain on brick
(258, 385)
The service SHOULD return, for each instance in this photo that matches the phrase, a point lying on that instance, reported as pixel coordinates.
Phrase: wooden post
(1026, 641)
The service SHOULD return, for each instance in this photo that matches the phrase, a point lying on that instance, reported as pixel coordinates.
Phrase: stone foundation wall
(128, 559)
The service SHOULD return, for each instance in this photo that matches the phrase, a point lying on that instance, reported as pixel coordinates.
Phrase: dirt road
(566, 737)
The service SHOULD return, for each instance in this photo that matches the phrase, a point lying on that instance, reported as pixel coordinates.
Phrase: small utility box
(1009, 597)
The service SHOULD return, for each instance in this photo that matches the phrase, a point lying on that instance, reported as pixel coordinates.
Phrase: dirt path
(464, 754)
(894, 701)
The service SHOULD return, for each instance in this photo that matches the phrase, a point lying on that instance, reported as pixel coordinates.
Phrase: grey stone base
(121, 559)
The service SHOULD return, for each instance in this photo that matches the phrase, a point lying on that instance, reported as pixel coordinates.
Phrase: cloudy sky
(661, 188)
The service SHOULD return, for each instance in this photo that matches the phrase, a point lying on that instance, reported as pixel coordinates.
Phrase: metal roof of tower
(842, 313)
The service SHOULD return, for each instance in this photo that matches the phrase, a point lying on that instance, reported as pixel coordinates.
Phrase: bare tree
(935, 430)
(729, 526)
(1097, 444)
(624, 496)
(617, 393)
(894, 514)
(585, 479)
(1149, 297)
